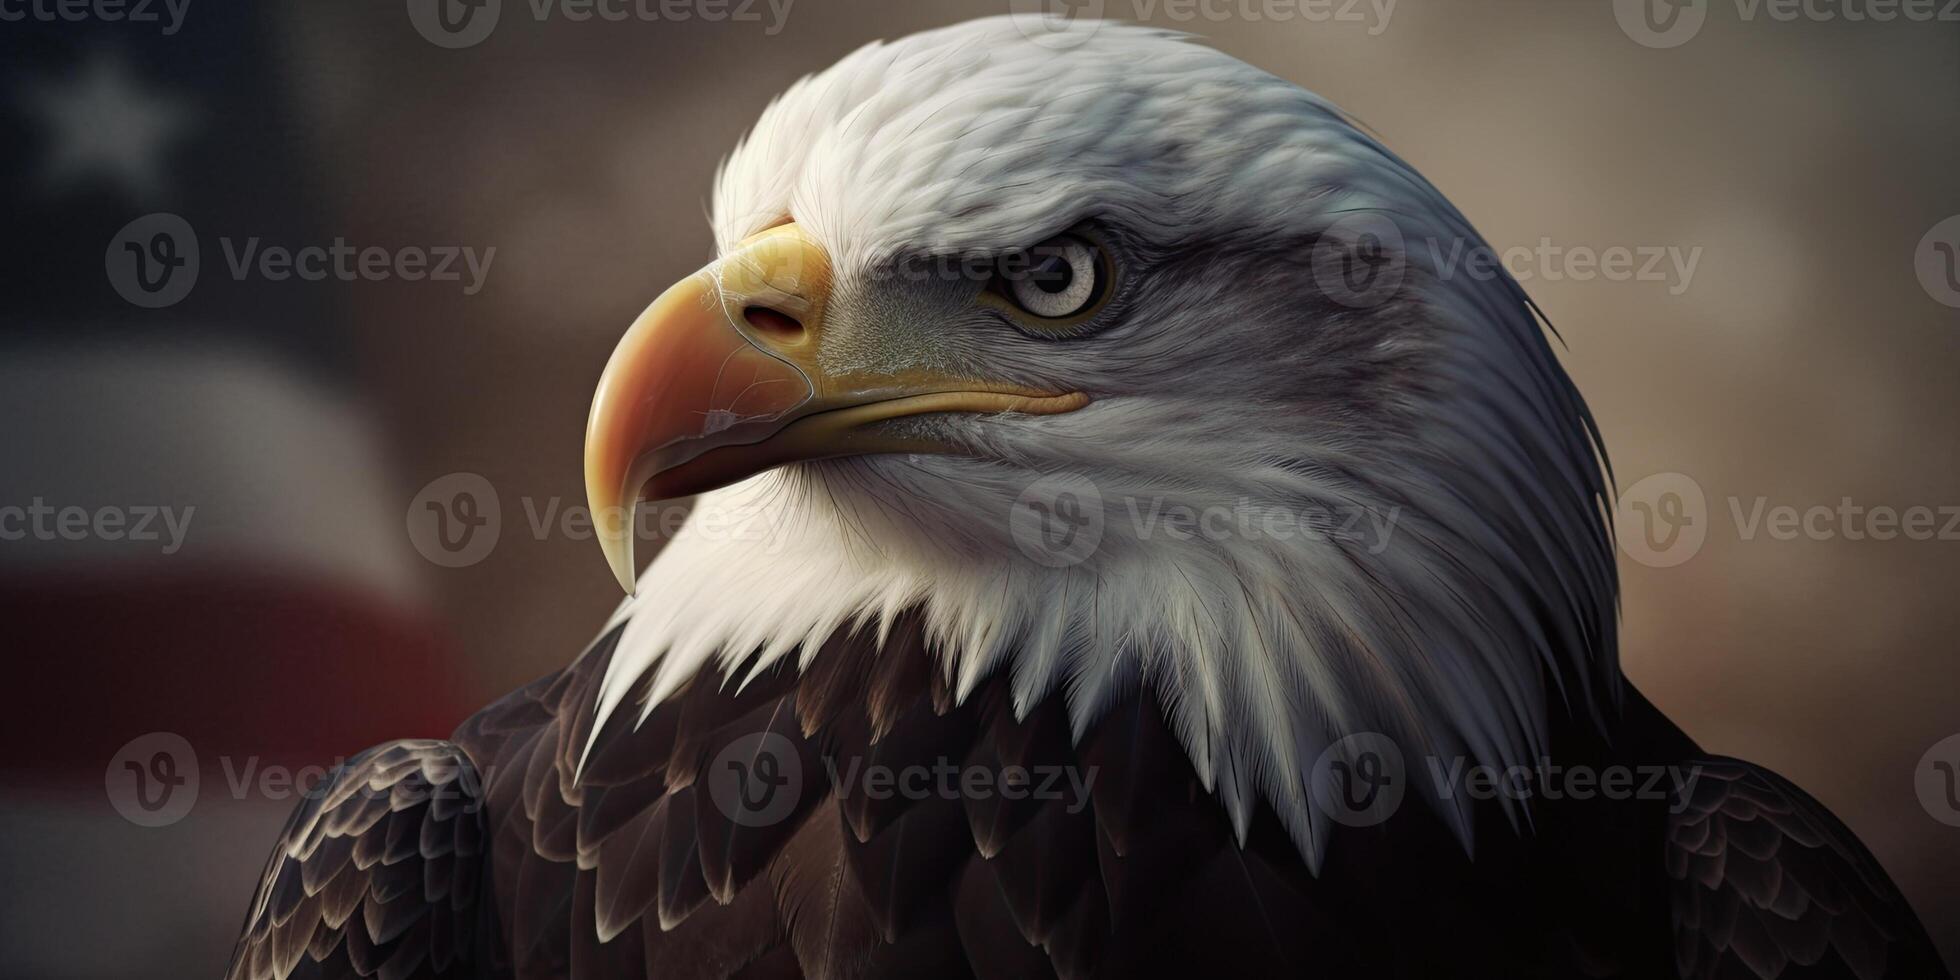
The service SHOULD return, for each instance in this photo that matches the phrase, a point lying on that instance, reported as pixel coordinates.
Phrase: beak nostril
(773, 323)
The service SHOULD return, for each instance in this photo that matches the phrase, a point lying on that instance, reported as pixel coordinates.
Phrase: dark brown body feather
(637, 866)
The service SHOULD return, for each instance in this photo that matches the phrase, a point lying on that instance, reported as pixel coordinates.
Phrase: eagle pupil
(1052, 273)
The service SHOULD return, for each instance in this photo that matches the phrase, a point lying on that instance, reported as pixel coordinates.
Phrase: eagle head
(988, 292)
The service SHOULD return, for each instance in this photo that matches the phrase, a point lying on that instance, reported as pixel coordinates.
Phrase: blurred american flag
(279, 624)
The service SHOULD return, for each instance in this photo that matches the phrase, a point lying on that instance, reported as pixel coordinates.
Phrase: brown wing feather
(828, 920)
(377, 872)
(635, 864)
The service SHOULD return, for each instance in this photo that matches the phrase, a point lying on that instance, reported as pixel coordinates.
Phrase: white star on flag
(107, 127)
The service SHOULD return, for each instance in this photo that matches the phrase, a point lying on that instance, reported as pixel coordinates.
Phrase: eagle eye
(1065, 278)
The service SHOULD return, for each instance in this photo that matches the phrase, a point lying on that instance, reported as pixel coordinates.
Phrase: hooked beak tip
(624, 573)
(617, 543)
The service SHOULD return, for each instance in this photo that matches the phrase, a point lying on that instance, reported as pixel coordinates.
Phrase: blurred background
(355, 469)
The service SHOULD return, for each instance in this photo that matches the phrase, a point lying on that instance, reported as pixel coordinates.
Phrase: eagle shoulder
(377, 872)
(1768, 884)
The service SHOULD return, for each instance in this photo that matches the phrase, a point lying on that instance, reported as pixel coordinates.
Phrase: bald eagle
(1123, 549)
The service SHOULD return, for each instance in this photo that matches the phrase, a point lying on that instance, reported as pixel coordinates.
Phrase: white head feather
(1227, 379)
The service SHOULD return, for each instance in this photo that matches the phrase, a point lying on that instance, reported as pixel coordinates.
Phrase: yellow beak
(719, 380)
